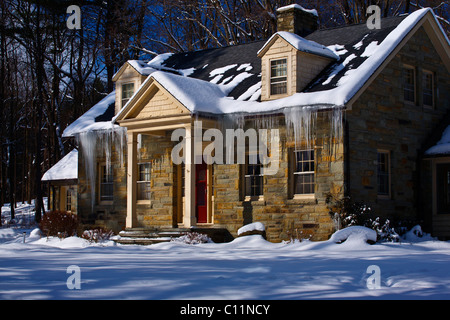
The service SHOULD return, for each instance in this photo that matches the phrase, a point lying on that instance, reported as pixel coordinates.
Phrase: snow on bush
(416, 234)
(97, 234)
(193, 238)
(255, 226)
(363, 233)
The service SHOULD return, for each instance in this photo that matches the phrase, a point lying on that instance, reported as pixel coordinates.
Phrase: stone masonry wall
(381, 119)
(283, 216)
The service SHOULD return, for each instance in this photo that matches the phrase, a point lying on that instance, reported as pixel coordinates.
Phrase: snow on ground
(246, 268)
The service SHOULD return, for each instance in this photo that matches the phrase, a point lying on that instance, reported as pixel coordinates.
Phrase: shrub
(193, 238)
(97, 234)
(347, 213)
(59, 223)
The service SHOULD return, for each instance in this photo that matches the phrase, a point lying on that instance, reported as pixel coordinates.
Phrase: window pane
(143, 184)
(69, 200)
(127, 92)
(304, 174)
(278, 76)
(408, 84)
(253, 179)
(106, 183)
(383, 173)
(428, 89)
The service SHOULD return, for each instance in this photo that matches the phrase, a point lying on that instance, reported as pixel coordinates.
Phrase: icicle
(98, 144)
(88, 142)
(302, 122)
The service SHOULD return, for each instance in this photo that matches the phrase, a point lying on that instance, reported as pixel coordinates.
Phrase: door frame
(435, 162)
(180, 198)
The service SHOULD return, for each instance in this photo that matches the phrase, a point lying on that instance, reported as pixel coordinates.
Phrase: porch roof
(442, 147)
(64, 169)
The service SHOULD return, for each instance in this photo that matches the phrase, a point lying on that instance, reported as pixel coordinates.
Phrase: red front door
(201, 192)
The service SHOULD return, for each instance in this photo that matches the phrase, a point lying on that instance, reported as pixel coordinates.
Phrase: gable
(152, 101)
(424, 41)
(159, 103)
(125, 72)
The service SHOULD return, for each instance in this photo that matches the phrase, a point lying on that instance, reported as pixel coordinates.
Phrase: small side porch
(179, 193)
(169, 186)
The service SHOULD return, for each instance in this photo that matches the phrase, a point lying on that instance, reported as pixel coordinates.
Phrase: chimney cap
(297, 7)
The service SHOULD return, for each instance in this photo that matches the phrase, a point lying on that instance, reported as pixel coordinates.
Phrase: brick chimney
(295, 19)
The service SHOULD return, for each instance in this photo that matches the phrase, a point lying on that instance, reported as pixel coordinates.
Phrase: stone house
(265, 131)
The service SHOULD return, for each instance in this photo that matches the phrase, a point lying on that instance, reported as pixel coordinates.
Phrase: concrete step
(146, 236)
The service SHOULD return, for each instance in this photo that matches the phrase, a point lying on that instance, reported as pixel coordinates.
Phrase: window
(127, 92)
(143, 183)
(278, 76)
(409, 84)
(383, 173)
(69, 200)
(304, 172)
(106, 183)
(427, 88)
(253, 178)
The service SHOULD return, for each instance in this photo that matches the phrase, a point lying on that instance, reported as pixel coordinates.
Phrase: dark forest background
(50, 75)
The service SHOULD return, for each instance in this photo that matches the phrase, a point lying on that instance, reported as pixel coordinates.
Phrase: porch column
(131, 220)
(189, 218)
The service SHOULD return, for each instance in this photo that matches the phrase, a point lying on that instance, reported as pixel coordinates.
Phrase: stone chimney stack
(296, 19)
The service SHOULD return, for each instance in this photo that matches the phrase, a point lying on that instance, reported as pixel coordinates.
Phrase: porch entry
(203, 194)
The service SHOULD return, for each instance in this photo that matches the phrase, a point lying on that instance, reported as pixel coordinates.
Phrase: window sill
(303, 199)
(143, 202)
(106, 202)
(255, 200)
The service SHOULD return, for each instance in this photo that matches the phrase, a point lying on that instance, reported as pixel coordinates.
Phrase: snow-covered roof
(89, 120)
(442, 146)
(302, 44)
(360, 56)
(64, 169)
(142, 67)
(228, 79)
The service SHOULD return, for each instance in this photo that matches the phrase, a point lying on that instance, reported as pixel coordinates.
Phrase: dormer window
(278, 76)
(127, 92)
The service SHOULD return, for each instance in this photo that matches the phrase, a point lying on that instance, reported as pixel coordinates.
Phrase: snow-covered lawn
(247, 268)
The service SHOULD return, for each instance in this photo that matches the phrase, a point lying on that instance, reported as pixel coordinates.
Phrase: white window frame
(295, 173)
(260, 176)
(123, 99)
(271, 78)
(102, 184)
(141, 182)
